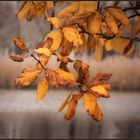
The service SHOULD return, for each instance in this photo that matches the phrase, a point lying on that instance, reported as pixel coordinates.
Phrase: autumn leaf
(42, 89)
(70, 110)
(43, 60)
(110, 21)
(73, 36)
(68, 11)
(100, 78)
(86, 7)
(57, 38)
(64, 103)
(77, 96)
(99, 89)
(24, 10)
(97, 115)
(54, 21)
(66, 47)
(119, 44)
(91, 42)
(82, 70)
(89, 102)
(20, 44)
(17, 58)
(50, 5)
(94, 22)
(60, 78)
(119, 15)
(27, 77)
(64, 59)
(44, 51)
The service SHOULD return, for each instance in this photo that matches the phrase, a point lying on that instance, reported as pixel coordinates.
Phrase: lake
(22, 117)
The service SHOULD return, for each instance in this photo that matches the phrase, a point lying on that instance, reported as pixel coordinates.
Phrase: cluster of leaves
(77, 27)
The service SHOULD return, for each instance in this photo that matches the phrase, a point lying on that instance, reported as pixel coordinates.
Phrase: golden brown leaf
(68, 11)
(54, 21)
(57, 38)
(83, 72)
(94, 22)
(119, 15)
(76, 97)
(64, 103)
(97, 115)
(110, 21)
(99, 89)
(27, 77)
(89, 102)
(42, 89)
(98, 54)
(44, 51)
(17, 58)
(60, 78)
(100, 78)
(119, 44)
(66, 47)
(43, 60)
(24, 10)
(50, 5)
(20, 44)
(70, 110)
(73, 36)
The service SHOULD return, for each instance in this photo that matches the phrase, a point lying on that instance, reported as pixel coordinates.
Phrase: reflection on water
(22, 117)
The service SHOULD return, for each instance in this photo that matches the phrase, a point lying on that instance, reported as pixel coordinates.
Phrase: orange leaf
(42, 89)
(76, 97)
(64, 103)
(19, 44)
(70, 110)
(89, 102)
(17, 58)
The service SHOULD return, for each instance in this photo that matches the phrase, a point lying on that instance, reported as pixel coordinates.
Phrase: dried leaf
(91, 42)
(27, 77)
(24, 10)
(86, 7)
(54, 21)
(57, 38)
(68, 11)
(99, 89)
(119, 15)
(17, 58)
(43, 60)
(44, 51)
(89, 102)
(110, 21)
(83, 72)
(119, 44)
(64, 103)
(60, 78)
(73, 35)
(66, 47)
(20, 44)
(70, 110)
(97, 115)
(100, 78)
(94, 23)
(76, 97)
(129, 48)
(42, 89)
(50, 5)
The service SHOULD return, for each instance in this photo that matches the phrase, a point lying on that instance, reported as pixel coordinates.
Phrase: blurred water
(22, 117)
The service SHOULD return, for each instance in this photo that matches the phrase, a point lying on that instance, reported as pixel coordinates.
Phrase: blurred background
(22, 117)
